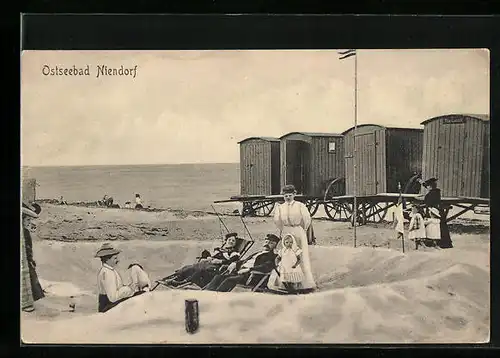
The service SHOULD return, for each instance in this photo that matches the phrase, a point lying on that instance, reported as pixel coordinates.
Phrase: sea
(170, 186)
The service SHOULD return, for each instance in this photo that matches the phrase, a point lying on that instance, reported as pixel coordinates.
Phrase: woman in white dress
(292, 217)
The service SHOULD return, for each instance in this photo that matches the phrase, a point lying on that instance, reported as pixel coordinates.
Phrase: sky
(194, 106)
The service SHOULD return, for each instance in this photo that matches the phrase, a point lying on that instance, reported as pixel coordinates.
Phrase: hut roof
(481, 117)
(267, 139)
(313, 134)
(381, 126)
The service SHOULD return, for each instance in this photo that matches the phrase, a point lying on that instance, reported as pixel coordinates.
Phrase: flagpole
(355, 206)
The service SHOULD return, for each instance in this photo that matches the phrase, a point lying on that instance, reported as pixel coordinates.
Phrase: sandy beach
(373, 293)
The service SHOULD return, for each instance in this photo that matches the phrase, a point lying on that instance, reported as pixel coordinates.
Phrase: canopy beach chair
(242, 247)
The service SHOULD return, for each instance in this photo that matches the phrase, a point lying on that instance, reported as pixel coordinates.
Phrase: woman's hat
(31, 210)
(289, 189)
(430, 180)
(106, 250)
(272, 237)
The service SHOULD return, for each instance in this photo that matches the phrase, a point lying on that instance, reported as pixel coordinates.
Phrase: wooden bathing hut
(259, 166)
(28, 190)
(385, 156)
(311, 161)
(457, 152)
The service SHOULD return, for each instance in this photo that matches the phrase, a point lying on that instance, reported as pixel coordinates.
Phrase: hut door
(297, 164)
(366, 155)
(452, 139)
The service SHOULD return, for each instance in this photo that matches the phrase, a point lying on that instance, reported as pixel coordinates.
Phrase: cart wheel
(375, 213)
(413, 186)
(335, 188)
(263, 208)
(338, 211)
(247, 208)
(312, 206)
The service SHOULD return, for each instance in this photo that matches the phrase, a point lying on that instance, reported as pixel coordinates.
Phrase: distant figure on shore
(128, 205)
(138, 202)
(62, 201)
(31, 290)
(106, 201)
(110, 285)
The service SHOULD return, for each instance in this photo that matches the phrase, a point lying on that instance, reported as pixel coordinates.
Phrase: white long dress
(416, 227)
(294, 218)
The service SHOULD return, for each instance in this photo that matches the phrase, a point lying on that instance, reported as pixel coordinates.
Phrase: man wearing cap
(110, 285)
(240, 271)
(31, 288)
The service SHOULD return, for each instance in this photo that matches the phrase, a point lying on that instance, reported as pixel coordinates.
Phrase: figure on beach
(110, 285)
(292, 217)
(435, 209)
(138, 202)
(240, 272)
(31, 289)
(398, 223)
(201, 273)
(416, 228)
(288, 264)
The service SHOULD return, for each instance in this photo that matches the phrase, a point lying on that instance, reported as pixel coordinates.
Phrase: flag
(347, 53)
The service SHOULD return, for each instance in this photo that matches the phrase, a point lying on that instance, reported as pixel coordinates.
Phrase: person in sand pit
(239, 272)
(110, 285)
(288, 263)
(31, 290)
(202, 272)
(292, 217)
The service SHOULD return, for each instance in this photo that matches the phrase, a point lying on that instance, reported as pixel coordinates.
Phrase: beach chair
(242, 247)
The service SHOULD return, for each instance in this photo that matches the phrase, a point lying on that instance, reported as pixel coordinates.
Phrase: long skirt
(307, 282)
(26, 292)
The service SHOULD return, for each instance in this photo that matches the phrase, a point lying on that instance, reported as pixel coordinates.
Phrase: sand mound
(366, 295)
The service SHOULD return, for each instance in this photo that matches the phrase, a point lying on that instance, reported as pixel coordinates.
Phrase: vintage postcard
(249, 197)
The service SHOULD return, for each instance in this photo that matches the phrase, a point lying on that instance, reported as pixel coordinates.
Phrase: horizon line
(118, 165)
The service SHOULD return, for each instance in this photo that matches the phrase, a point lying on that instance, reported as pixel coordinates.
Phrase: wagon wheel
(375, 213)
(264, 208)
(335, 188)
(338, 211)
(413, 186)
(257, 208)
(312, 206)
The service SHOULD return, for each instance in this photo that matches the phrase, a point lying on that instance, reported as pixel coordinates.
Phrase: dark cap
(231, 234)
(272, 237)
(288, 189)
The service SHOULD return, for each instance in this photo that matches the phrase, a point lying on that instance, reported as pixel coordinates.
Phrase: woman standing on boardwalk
(292, 217)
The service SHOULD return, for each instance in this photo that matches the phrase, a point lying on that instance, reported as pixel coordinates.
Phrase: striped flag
(346, 54)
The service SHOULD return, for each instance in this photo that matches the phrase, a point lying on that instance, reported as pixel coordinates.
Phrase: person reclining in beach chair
(209, 265)
(252, 271)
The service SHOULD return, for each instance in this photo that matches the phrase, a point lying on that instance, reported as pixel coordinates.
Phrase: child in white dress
(416, 229)
(289, 264)
(433, 229)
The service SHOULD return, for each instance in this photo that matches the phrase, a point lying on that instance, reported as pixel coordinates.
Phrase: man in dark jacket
(240, 271)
